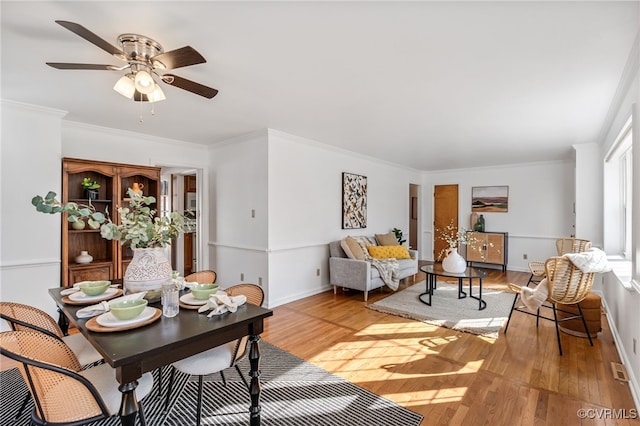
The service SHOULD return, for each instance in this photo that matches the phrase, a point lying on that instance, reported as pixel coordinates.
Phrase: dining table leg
(254, 386)
(129, 405)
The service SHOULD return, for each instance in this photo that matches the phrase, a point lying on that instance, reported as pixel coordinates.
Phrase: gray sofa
(359, 274)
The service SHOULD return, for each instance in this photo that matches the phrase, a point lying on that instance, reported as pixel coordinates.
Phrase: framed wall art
(490, 199)
(354, 201)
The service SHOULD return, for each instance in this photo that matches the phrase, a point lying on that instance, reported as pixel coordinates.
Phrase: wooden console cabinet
(110, 259)
(488, 247)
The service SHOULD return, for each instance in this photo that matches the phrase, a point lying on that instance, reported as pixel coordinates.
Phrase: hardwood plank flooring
(456, 378)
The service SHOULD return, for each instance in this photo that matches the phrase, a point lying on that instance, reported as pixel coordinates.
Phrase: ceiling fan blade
(191, 86)
(69, 66)
(92, 38)
(178, 58)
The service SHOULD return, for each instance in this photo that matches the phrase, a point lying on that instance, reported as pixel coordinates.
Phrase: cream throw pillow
(387, 239)
(352, 249)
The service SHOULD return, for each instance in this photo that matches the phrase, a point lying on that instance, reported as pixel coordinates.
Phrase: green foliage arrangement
(75, 212)
(139, 227)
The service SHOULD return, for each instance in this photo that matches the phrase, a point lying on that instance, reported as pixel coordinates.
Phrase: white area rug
(447, 310)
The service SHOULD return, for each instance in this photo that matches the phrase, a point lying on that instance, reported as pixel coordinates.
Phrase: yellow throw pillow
(388, 252)
(387, 239)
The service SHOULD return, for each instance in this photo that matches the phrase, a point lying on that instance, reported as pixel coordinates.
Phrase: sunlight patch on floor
(403, 327)
(409, 399)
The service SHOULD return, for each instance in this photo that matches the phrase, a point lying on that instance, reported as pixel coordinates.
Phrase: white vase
(454, 262)
(84, 257)
(148, 270)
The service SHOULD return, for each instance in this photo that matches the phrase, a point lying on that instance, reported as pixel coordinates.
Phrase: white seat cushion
(208, 362)
(80, 346)
(103, 378)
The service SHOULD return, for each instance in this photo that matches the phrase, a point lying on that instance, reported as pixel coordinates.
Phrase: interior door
(445, 213)
(414, 190)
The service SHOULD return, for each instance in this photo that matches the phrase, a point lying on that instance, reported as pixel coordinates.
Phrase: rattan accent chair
(567, 285)
(62, 392)
(221, 357)
(22, 317)
(563, 246)
(206, 277)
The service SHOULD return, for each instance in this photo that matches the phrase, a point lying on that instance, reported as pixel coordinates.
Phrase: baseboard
(633, 380)
(297, 296)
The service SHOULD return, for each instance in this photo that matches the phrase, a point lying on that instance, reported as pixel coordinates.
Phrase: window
(618, 201)
(625, 185)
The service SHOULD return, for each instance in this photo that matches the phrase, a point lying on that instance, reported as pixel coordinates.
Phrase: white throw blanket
(593, 260)
(533, 298)
(388, 268)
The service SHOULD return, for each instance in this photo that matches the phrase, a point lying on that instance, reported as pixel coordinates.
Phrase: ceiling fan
(144, 58)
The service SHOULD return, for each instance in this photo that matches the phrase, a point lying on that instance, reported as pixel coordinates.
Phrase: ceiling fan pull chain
(141, 111)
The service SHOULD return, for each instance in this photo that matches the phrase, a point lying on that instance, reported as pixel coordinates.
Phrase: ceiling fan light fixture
(144, 82)
(125, 86)
(156, 95)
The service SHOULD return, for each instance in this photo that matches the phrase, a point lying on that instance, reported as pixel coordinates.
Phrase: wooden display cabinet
(109, 257)
(488, 247)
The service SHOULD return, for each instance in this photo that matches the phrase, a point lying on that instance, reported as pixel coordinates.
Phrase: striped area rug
(294, 393)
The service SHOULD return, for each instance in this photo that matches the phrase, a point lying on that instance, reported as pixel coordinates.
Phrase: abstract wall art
(354, 201)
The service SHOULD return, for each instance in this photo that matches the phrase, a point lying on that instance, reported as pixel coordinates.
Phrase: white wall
(305, 209)
(30, 241)
(589, 193)
(540, 206)
(239, 219)
(294, 185)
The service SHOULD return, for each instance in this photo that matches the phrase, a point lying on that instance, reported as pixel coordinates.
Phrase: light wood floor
(450, 377)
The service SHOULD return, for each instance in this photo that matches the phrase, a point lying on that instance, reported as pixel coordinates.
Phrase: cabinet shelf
(98, 262)
(86, 200)
(109, 257)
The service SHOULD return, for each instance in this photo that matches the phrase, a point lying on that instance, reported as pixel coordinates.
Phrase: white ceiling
(430, 85)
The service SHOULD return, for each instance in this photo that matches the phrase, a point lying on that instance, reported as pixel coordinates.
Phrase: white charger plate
(189, 299)
(79, 296)
(108, 320)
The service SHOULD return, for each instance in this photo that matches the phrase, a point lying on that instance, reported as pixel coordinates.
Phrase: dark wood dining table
(136, 351)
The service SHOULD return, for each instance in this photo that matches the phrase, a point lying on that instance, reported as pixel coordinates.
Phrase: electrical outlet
(259, 280)
(525, 257)
(253, 213)
(241, 276)
(318, 272)
(634, 346)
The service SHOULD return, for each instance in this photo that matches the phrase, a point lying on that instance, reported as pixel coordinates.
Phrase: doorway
(414, 204)
(179, 192)
(445, 215)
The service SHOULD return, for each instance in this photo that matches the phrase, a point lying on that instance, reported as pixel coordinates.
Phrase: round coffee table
(435, 270)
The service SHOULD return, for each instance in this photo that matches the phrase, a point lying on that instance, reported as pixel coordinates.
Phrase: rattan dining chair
(567, 285)
(202, 277)
(22, 317)
(221, 357)
(563, 246)
(64, 393)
